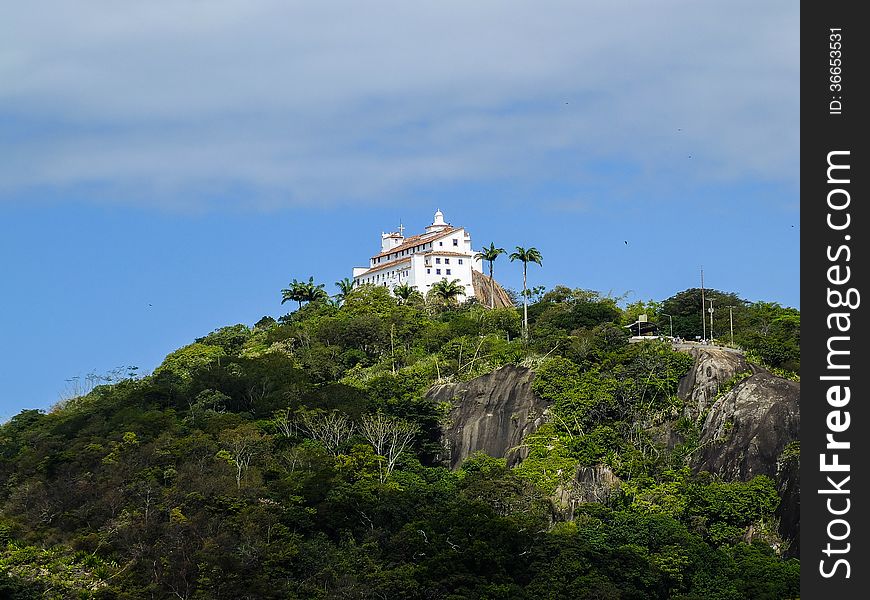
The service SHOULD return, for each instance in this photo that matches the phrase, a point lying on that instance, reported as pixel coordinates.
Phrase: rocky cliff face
(597, 483)
(750, 431)
(748, 428)
(492, 413)
(712, 368)
(489, 293)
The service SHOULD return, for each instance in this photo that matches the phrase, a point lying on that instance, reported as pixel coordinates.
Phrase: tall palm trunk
(491, 286)
(525, 303)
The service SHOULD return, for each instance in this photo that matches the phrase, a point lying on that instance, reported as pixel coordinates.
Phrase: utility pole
(711, 320)
(672, 322)
(731, 320)
(703, 308)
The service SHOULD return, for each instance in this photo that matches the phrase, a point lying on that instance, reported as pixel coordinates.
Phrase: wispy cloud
(182, 103)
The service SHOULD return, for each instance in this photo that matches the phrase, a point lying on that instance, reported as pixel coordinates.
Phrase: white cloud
(171, 102)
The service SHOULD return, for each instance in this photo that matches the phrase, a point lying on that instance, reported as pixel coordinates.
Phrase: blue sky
(166, 168)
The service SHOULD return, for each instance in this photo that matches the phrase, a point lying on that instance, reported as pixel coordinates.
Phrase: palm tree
(304, 291)
(526, 256)
(314, 292)
(489, 255)
(345, 287)
(294, 291)
(404, 292)
(448, 291)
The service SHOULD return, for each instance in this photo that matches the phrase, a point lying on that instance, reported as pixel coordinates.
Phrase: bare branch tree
(285, 422)
(293, 458)
(389, 437)
(242, 444)
(330, 429)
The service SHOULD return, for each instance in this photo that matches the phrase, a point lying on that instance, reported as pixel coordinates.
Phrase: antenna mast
(703, 307)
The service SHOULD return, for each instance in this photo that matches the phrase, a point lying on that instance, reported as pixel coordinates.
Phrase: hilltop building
(442, 251)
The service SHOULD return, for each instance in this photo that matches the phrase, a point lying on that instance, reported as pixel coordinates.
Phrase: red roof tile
(416, 240)
(445, 253)
(385, 265)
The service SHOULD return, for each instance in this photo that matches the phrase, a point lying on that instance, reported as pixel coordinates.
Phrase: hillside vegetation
(300, 459)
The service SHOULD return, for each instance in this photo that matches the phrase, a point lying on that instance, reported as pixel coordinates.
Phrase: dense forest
(300, 458)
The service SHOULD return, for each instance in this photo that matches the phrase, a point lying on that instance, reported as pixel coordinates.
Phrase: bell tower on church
(438, 224)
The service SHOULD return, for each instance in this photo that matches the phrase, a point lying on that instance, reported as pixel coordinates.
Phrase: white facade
(441, 252)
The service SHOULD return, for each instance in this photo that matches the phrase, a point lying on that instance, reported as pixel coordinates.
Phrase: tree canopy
(302, 458)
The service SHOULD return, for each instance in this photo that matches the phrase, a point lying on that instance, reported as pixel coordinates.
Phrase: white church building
(440, 252)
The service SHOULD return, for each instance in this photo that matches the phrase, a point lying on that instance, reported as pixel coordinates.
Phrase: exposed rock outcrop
(492, 413)
(788, 484)
(483, 291)
(713, 367)
(589, 484)
(749, 427)
(750, 430)
(747, 433)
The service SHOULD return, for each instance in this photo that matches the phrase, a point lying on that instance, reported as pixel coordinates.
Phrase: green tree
(447, 292)
(650, 308)
(231, 338)
(526, 255)
(240, 447)
(185, 362)
(304, 291)
(345, 287)
(685, 308)
(389, 437)
(295, 291)
(314, 292)
(490, 254)
(772, 332)
(405, 293)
